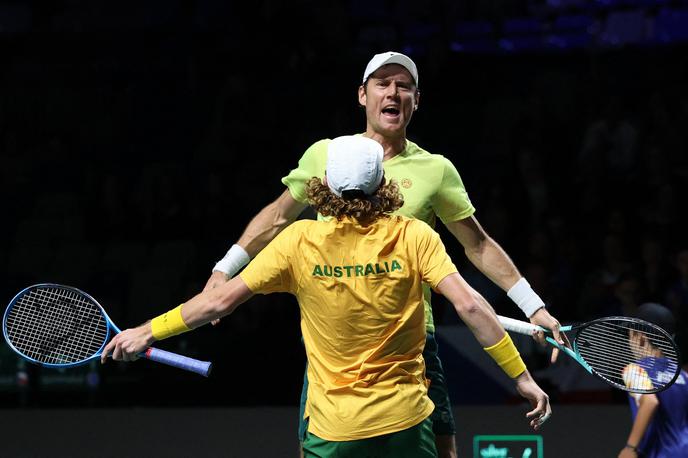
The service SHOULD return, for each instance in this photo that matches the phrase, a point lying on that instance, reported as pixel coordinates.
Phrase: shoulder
(290, 237)
(321, 144)
(319, 147)
(413, 149)
(417, 152)
(300, 226)
(412, 224)
(295, 229)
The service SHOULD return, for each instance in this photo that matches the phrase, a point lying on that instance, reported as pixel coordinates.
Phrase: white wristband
(235, 259)
(524, 296)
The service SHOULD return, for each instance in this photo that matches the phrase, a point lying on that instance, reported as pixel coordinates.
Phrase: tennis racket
(60, 326)
(608, 349)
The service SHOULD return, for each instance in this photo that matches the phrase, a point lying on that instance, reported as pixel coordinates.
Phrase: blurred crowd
(133, 155)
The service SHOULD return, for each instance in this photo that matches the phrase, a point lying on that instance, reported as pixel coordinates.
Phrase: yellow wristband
(169, 324)
(506, 355)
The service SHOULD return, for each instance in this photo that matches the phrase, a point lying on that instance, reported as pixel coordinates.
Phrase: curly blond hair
(354, 204)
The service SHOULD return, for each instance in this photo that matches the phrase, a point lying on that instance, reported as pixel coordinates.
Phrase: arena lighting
(584, 29)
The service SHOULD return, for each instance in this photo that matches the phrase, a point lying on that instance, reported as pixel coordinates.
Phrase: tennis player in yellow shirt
(358, 277)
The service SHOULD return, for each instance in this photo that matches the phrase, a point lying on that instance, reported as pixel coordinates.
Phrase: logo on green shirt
(356, 270)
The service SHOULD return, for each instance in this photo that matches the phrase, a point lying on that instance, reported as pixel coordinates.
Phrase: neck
(391, 145)
(366, 221)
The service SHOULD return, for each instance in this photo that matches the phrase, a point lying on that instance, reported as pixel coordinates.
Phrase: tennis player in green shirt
(431, 188)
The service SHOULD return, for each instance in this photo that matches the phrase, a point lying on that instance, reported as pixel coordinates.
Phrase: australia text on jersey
(357, 270)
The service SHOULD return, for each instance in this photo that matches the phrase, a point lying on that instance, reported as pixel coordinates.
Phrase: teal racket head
(628, 353)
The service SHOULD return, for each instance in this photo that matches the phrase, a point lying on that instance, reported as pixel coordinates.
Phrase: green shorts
(414, 442)
(442, 417)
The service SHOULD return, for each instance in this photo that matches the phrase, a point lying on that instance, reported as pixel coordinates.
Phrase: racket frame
(526, 328)
(20, 294)
(200, 367)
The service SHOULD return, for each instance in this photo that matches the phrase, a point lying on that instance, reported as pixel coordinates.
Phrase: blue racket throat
(59, 326)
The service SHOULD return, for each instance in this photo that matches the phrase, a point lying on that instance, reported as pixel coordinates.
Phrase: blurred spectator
(614, 138)
(608, 286)
(654, 269)
(661, 212)
(624, 298)
(677, 298)
(534, 181)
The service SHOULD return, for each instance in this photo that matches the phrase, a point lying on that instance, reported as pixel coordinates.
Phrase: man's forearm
(473, 309)
(262, 229)
(269, 222)
(494, 262)
(497, 265)
(259, 232)
(202, 308)
(478, 315)
(215, 303)
(484, 252)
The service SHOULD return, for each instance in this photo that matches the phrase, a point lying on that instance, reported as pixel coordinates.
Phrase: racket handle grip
(518, 326)
(182, 362)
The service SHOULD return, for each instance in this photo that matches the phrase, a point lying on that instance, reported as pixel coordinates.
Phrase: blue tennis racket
(60, 326)
(627, 353)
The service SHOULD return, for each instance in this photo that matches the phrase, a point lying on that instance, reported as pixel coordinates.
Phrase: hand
(128, 344)
(216, 279)
(628, 452)
(526, 387)
(544, 319)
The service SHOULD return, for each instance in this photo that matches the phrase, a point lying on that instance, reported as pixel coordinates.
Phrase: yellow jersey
(360, 293)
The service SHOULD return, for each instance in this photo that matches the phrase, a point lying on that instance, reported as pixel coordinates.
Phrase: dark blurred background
(137, 139)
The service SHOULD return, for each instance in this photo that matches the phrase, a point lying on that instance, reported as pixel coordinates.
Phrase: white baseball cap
(354, 162)
(391, 57)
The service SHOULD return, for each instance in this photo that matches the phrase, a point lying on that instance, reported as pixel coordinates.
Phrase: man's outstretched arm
(202, 308)
(480, 318)
(491, 259)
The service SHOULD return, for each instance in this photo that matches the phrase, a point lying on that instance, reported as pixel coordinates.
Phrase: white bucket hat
(354, 162)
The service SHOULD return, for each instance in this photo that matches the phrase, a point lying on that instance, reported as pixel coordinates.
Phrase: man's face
(637, 341)
(390, 96)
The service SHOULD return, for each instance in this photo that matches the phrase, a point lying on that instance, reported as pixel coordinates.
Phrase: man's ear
(362, 95)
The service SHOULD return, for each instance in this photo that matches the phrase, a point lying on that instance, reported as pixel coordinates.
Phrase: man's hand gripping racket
(545, 322)
(60, 326)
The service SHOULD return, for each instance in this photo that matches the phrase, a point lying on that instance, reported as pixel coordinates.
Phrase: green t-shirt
(430, 184)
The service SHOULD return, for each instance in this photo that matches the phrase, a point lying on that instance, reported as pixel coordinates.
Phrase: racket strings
(611, 337)
(56, 325)
(611, 351)
(618, 333)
